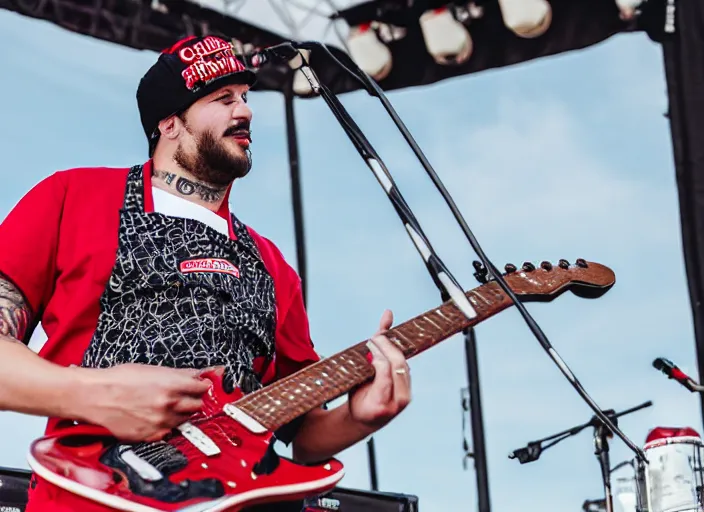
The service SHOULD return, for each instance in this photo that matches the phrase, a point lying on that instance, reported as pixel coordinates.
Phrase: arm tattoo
(15, 315)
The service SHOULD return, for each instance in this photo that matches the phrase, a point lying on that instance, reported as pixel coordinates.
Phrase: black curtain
(683, 53)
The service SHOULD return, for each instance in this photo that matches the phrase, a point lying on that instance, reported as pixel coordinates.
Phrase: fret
(481, 300)
(423, 329)
(308, 388)
(442, 321)
(442, 317)
(325, 380)
(404, 341)
(406, 332)
(429, 319)
(478, 300)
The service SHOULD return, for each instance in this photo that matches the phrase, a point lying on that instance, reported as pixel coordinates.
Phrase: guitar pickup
(199, 439)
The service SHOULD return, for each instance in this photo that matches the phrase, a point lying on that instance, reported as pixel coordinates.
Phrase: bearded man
(142, 278)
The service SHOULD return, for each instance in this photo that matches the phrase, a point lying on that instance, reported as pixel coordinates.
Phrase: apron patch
(209, 265)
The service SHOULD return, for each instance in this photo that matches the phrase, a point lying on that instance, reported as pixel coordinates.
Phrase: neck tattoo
(187, 187)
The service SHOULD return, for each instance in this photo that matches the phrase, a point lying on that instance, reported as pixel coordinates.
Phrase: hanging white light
(370, 54)
(627, 8)
(446, 39)
(526, 18)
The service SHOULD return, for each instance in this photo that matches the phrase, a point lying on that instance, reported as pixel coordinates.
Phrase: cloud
(529, 170)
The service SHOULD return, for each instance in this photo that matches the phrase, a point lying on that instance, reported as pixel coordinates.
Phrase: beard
(212, 162)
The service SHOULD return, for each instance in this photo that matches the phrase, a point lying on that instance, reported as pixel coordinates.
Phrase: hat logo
(207, 60)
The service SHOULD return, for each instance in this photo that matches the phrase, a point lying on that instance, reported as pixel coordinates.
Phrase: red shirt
(58, 246)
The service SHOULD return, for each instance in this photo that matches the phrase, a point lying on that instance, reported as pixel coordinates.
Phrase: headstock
(546, 281)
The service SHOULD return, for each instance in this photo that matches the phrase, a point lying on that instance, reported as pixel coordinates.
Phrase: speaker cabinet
(352, 500)
(14, 484)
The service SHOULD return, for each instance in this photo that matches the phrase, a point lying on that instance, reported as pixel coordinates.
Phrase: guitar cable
(443, 278)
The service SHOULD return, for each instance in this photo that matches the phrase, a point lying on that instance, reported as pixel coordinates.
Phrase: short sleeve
(29, 240)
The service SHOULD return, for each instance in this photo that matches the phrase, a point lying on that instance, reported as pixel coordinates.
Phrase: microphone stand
(443, 279)
(601, 436)
(601, 450)
(448, 286)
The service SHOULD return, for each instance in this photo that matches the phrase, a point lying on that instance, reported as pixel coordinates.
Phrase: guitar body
(213, 463)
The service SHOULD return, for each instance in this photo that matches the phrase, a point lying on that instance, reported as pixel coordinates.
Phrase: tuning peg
(581, 263)
(510, 268)
(546, 265)
(481, 271)
(564, 264)
(528, 266)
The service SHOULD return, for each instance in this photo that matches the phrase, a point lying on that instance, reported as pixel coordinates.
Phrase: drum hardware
(532, 451)
(598, 505)
(673, 481)
(343, 499)
(14, 484)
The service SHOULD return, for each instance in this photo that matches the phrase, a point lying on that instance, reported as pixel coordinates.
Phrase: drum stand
(602, 433)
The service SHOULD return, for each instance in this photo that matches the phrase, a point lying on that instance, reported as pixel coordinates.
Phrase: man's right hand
(140, 402)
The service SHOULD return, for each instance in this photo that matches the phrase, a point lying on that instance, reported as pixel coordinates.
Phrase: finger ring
(400, 371)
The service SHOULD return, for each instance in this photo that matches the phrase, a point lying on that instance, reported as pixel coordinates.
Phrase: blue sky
(565, 157)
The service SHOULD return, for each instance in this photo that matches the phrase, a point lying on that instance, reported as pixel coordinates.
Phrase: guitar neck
(330, 378)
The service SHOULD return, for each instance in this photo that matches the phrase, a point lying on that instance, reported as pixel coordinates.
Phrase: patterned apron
(183, 295)
(157, 310)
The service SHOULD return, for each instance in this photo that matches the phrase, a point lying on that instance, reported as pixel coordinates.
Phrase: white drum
(672, 479)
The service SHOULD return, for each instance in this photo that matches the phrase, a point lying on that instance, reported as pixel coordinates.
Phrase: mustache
(239, 129)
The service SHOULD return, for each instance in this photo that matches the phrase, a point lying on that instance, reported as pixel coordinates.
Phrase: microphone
(279, 53)
(673, 372)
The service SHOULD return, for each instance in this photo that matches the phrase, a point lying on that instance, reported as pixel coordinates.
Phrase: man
(142, 278)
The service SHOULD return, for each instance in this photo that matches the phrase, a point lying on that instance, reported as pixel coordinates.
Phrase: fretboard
(330, 378)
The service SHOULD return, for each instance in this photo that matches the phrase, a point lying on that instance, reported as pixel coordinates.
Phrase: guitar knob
(528, 266)
(510, 268)
(581, 263)
(564, 264)
(546, 265)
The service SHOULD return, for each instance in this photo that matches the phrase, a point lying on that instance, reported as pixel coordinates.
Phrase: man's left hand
(376, 403)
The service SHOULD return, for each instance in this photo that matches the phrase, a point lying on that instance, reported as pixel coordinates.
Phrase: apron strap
(134, 190)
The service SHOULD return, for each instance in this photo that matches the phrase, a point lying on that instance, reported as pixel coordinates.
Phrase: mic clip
(279, 54)
(530, 453)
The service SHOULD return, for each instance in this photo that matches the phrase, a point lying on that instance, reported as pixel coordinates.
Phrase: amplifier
(352, 500)
(14, 484)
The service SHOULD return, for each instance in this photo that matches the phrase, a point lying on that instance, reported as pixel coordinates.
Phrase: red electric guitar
(223, 458)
